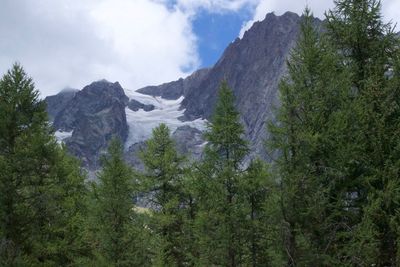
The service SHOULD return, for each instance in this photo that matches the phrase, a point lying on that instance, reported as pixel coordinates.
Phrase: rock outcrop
(176, 89)
(135, 105)
(57, 103)
(94, 115)
(189, 141)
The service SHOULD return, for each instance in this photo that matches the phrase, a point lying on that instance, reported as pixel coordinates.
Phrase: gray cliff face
(132, 155)
(56, 103)
(176, 89)
(136, 105)
(253, 67)
(95, 114)
(189, 142)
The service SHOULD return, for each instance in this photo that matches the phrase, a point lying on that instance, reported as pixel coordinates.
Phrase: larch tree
(163, 179)
(259, 194)
(221, 212)
(304, 134)
(41, 186)
(113, 226)
(370, 49)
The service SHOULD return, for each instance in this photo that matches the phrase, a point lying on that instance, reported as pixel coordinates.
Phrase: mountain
(176, 89)
(90, 118)
(56, 103)
(253, 65)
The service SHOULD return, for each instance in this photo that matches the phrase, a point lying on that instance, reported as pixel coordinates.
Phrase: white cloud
(137, 42)
(71, 43)
(390, 9)
(152, 44)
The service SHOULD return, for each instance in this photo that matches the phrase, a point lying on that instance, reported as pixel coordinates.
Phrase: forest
(328, 196)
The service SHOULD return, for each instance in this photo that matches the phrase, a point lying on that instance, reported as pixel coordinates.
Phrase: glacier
(62, 135)
(141, 123)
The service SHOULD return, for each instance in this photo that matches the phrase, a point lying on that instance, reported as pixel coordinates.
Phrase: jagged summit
(68, 90)
(91, 117)
(253, 66)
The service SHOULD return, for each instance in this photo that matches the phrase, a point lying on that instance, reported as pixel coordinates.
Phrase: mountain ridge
(252, 65)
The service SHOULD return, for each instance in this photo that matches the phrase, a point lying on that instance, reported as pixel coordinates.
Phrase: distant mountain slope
(57, 103)
(176, 89)
(252, 66)
(90, 118)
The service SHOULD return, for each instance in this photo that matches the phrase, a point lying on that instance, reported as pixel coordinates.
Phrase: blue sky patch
(215, 31)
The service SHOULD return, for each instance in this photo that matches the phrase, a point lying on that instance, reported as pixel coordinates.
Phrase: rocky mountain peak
(253, 66)
(90, 118)
(57, 103)
(105, 89)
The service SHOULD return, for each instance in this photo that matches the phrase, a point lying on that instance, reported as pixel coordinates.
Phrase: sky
(70, 43)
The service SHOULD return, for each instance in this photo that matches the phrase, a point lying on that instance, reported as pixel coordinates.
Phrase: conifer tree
(113, 223)
(163, 179)
(337, 130)
(371, 51)
(40, 187)
(259, 195)
(308, 122)
(191, 206)
(221, 213)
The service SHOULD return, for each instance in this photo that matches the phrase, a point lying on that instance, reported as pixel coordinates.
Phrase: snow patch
(203, 145)
(141, 123)
(145, 99)
(61, 135)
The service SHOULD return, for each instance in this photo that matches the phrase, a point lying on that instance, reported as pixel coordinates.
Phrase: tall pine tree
(114, 228)
(259, 194)
(308, 123)
(371, 51)
(337, 135)
(40, 187)
(163, 180)
(221, 211)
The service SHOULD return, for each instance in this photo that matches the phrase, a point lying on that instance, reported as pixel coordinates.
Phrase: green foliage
(372, 51)
(41, 187)
(219, 221)
(331, 197)
(336, 131)
(259, 194)
(114, 227)
(225, 133)
(163, 179)
(312, 99)
(356, 27)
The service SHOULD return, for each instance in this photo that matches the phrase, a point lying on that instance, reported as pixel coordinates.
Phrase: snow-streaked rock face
(141, 122)
(94, 114)
(61, 136)
(253, 67)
